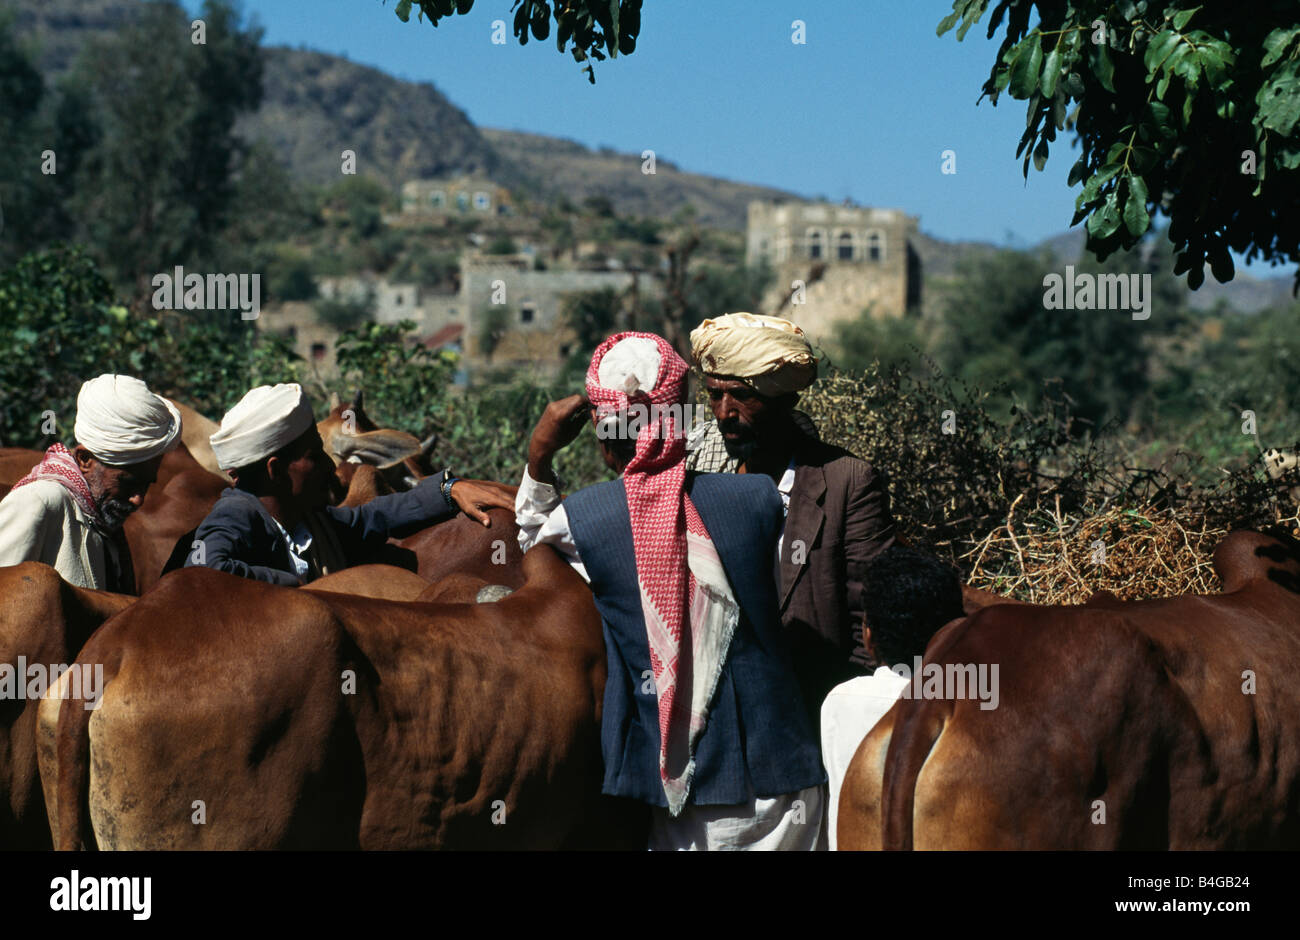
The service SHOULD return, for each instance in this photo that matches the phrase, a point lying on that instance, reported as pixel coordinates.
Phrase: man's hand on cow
(561, 422)
(475, 496)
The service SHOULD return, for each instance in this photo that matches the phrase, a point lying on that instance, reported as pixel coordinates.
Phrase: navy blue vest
(758, 737)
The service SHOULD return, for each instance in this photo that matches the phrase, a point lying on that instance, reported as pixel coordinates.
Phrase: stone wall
(833, 262)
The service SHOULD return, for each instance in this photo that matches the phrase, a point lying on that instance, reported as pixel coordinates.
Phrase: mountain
(56, 29)
(565, 167)
(315, 106)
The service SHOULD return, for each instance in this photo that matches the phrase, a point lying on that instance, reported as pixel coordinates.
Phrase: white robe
(41, 521)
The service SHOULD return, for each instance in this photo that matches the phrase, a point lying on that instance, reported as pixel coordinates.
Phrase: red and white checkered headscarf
(678, 612)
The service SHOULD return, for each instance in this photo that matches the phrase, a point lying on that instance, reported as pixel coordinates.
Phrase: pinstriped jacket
(759, 738)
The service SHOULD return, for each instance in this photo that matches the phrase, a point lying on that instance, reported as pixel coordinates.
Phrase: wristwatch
(448, 480)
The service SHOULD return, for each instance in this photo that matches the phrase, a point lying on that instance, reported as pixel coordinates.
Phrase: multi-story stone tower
(833, 262)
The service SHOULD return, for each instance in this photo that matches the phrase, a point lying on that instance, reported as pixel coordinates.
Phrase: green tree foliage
(405, 380)
(1220, 366)
(290, 277)
(493, 322)
(23, 189)
(61, 324)
(426, 267)
(592, 316)
(717, 289)
(346, 313)
(997, 334)
(591, 29)
(895, 343)
(1186, 108)
(158, 184)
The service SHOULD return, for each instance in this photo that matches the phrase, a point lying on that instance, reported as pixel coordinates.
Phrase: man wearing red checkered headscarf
(665, 594)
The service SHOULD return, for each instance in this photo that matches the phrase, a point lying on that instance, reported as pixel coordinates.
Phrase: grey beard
(113, 513)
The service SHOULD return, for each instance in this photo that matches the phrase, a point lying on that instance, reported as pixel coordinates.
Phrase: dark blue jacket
(758, 737)
(240, 537)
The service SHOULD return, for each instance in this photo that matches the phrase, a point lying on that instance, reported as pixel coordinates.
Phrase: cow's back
(334, 721)
(1168, 723)
(484, 717)
(222, 723)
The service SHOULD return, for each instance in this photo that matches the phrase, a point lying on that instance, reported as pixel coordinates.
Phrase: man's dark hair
(253, 477)
(624, 448)
(910, 594)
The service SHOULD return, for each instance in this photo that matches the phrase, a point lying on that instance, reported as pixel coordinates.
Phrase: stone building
(832, 262)
(463, 195)
(500, 294)
(530, 304)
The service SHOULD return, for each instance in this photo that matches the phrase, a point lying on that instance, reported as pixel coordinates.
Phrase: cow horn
(356, 399)
(428, 444)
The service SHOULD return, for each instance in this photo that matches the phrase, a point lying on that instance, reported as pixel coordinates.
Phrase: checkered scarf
(59, 465)
(690, 612)
(706, 448)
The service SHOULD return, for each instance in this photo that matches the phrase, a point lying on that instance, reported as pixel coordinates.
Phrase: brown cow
(353, 440)
(460, 544)
(44, 622)
(1159, 724)
(196, 432)
(298, 718)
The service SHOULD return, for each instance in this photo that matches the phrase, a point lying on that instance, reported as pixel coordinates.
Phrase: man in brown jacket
(837, 515)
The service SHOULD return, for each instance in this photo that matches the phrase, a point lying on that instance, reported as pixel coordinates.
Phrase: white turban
(266, 419)
(121, 422)
(631, 365)
(769, 353)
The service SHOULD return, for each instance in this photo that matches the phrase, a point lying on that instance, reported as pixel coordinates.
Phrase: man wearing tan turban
(837, 506)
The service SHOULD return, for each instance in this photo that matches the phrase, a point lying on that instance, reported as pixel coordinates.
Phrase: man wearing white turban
(69, 510)
(837, 506)
(274, 524)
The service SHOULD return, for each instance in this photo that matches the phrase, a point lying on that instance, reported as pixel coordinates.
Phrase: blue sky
(863, 110)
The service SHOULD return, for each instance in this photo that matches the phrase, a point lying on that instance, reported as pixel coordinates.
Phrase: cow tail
(73, 781)
(916, 732)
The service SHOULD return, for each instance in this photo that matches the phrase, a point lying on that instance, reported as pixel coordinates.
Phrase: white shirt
(299, 542)
(784, 487)
(849, 713)
(539, 513)
(541, 518)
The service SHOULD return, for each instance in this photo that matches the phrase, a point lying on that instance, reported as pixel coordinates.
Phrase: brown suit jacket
(838, 521)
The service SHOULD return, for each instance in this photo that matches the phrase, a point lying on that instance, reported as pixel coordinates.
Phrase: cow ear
(382, 448)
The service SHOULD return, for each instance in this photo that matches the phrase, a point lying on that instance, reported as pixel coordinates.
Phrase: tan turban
(769, 353)
(122, 423)
(266, 419)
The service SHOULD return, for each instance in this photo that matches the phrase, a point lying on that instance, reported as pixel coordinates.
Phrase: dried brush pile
(1032, 508)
